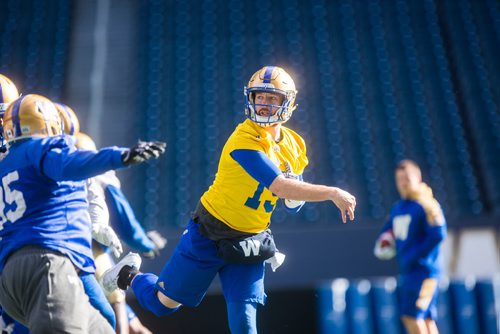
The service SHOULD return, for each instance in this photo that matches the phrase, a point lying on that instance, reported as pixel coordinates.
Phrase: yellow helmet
(71, 125)
(31, 116)
(84, 142)
(8, 93)
(271, 79)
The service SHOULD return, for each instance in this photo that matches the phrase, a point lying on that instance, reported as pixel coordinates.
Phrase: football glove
(105, 235)
(143, 151)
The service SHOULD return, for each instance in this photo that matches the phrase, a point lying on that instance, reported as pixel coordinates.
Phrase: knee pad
(145, 291)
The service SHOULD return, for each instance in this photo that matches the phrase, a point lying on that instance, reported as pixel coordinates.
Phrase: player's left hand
(345, 202)
(105, 235)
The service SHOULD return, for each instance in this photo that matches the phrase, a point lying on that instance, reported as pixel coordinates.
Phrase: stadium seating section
(378, 81)
(34, 40)
(465, 306)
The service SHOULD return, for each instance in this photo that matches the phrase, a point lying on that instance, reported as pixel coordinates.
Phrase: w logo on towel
(250, 247)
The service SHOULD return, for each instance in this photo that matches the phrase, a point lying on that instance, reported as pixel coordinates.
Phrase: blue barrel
(463, 301)
(488, 305)
(444, 319)
(332, 315)
(359, 309)
(385, 306)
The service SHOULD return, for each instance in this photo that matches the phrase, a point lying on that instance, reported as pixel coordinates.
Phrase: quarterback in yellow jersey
(233, 186)
(228, 234)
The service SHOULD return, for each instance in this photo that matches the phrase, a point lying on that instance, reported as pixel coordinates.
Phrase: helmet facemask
(270, 79)
(282, 112)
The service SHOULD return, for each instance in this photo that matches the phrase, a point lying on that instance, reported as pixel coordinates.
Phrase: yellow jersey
(235, 197)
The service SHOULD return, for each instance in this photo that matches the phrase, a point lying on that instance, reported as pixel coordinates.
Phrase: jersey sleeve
(124, 222)
(258, 165)
(61, 161)
(386, 227)
(434, 235)
(98, 210)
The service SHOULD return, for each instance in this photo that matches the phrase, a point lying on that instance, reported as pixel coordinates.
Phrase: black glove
(142, 151)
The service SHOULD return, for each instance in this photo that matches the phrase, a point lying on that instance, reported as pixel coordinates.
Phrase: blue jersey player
(108, 205)
(415, 229)
(45, 229)
(228, 234)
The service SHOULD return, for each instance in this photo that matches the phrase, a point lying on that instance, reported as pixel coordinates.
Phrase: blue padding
(144, 286)
(385, 305)
(488, 296)
(332, 315)
(444, 320)
(464, 306)
(359, 312)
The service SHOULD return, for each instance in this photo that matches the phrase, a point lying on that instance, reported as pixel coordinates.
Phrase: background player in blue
(108, 205)
(44, 223)
(414, 233)
(228, 234)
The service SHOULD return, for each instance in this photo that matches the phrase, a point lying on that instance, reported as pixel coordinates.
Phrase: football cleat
(71, 125)
(270, 79)
(31, 116)
(120, 275)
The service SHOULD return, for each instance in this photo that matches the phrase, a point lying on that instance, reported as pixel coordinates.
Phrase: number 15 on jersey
(11, 197)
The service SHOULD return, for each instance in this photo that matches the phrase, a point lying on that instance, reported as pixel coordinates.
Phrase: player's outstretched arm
(303, 191)
(64, 163)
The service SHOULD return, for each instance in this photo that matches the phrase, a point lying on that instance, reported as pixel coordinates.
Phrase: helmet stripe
(15, 116)
(268, 74)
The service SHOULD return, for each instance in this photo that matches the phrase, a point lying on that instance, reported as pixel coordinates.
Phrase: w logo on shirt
(250, 247)
(400, 226)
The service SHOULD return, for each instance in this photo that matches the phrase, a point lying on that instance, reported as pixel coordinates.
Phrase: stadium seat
(445, 309)
(332, 301)
(359, 307)
(488, 304)
(464, 306)
(385, 305)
